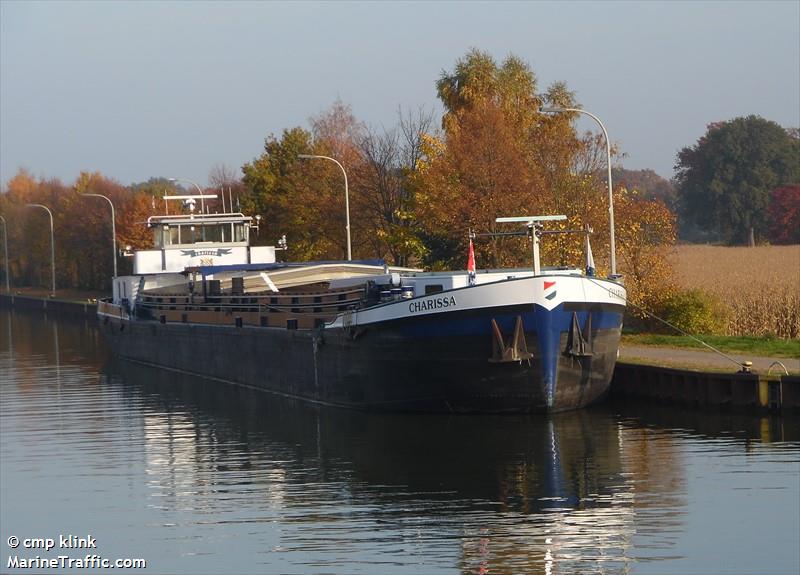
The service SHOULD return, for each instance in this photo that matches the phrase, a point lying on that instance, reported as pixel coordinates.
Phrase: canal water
(130, 462)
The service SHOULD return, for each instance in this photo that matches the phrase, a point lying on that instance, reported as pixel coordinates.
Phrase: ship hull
(409, 356)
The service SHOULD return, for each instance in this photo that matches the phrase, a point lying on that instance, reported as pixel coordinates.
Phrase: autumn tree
(386, 198)
(784, 214)
(499, 156)
(305, 198)
(85, 229)
(724, 180)
(339, 132)
(645, 237)
(26, 266)
(297, 197)
(82, 229)
(226, 184)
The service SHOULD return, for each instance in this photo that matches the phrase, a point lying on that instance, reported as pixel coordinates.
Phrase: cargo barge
(362, 334)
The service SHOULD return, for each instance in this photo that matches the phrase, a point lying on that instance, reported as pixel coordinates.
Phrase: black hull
(380, 368)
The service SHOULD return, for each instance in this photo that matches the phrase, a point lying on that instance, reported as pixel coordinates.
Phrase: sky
(136, 90)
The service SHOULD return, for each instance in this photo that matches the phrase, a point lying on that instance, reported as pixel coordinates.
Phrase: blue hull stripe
(547, 325)
(476, 323)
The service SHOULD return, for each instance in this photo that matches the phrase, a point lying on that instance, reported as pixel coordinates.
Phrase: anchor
(579, 344)
(515, 351)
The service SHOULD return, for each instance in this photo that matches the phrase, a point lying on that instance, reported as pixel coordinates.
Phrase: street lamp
(199, 191)
(346, 196)
(5, 254)
(113, 228)
(610, 187)
(52, 247)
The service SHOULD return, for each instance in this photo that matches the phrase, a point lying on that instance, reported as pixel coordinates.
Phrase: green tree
(724, 181)
(300, 198)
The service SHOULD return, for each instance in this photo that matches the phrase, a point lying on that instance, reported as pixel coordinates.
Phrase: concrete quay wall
(49, 305)
(707, 390)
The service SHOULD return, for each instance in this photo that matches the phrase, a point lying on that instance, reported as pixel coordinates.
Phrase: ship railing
(111, 309)
(534, 229)
(209, 304)
(165, 219)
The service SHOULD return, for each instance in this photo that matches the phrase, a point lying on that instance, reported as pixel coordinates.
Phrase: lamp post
(52, 247)
(610, 187)
(346, 196)
(199, 191)
(113, 229)
(5, 254)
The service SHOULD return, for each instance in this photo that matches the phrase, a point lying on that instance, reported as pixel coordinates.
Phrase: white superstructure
(188, 241)
(195, 240)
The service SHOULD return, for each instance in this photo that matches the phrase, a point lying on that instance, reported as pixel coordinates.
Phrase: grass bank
(763, 346)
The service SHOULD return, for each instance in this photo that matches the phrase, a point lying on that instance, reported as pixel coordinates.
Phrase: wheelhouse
(175, 231)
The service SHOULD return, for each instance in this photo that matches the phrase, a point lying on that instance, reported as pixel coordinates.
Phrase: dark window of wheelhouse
(433, 288)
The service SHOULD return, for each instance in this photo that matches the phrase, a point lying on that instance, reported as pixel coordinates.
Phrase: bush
(695, 312)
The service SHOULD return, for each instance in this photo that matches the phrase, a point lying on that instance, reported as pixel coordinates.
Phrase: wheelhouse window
(214, 233)
(240, 232)
(165, 235)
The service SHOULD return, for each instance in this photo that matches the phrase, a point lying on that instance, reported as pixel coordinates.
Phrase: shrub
(695, 312)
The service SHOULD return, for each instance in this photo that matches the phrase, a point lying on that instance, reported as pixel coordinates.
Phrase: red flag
(471, 263)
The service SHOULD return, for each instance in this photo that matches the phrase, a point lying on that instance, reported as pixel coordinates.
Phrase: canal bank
(663, 375)
(708, 380)
(706, 389)
(85, 306)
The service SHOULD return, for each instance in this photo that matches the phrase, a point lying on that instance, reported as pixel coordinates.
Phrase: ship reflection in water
(513, 494)
(203, 477)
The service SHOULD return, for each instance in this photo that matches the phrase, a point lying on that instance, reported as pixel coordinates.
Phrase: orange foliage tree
(81, 229)
(499, 156)
(645, 236)
(496, 159)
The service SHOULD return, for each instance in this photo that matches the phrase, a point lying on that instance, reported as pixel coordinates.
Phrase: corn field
(759, 288)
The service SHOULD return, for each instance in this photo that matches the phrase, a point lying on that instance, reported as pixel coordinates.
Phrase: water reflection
(750, 428)
(59, 340)
(519, 493)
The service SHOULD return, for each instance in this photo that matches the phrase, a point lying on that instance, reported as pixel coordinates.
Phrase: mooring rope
(742, 365)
